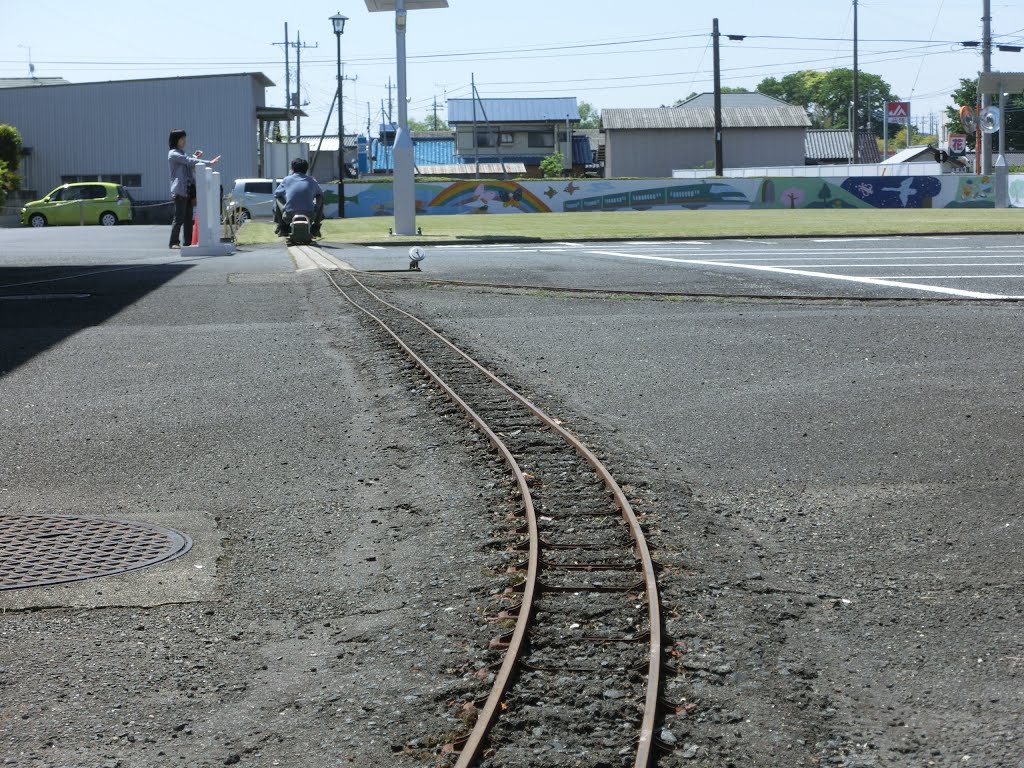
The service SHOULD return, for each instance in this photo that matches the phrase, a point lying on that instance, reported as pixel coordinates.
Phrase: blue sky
(611, 54)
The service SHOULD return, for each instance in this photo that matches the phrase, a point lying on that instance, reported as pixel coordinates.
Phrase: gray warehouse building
(759, 131)
(117, 131)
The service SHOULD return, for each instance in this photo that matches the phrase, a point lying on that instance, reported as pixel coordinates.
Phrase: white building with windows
(518, 131)
(117, 131)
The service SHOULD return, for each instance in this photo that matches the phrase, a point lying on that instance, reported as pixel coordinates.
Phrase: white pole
(405, 178)
(202, 204)
(213, 207)
(207, 216)
(885, 130)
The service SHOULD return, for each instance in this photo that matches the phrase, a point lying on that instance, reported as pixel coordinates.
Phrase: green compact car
(90, 202)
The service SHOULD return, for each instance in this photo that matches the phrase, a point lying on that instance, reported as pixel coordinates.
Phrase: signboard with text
(957, 144)
(897, 111)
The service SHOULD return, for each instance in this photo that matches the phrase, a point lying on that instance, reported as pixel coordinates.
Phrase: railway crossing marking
(307, 257)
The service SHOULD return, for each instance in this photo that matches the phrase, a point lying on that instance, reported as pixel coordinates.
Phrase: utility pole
(389, 99)
(856, 89)
(476, 141)
(434, 126)
(287, 76)
(986, 66)
(299, 45)
(719, 163)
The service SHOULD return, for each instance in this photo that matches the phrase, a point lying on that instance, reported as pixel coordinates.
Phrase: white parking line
(929, 265)
(851, 239)
(668, 242)
(954, 277)
(805, 273)
(866, 259)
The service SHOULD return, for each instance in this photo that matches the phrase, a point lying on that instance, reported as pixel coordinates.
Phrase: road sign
(897, 111)
(957, 144)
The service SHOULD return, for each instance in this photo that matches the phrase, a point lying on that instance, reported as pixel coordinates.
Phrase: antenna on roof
(31, 66)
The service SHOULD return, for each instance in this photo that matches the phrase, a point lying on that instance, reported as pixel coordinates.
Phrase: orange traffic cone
(195, 231)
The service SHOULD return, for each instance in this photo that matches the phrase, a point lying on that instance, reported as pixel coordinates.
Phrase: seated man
(299, 194)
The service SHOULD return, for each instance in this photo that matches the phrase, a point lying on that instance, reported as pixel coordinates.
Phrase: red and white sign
(897, 111)
(957, 144)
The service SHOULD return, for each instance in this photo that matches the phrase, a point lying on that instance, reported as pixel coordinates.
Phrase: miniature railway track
(581, 669)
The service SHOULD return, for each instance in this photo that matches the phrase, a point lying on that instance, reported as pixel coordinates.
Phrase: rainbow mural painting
(483, 196)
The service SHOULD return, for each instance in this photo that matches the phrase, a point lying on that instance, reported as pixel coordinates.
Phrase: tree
(827, 96)
(967, 95)
(553, 166)
(428, 124)
(898, 140)
(10, 156)
(589, 116)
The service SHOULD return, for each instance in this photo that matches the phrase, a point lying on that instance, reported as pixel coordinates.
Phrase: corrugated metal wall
(656, 153)
(122, 127)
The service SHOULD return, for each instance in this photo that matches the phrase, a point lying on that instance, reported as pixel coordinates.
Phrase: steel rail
(654, 655)
(517, 641)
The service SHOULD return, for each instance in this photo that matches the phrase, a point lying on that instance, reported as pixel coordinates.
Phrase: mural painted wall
(486, 197)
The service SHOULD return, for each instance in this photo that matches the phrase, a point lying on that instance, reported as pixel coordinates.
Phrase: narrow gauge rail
(581, 672)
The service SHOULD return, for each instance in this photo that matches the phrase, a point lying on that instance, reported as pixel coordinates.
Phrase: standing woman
(183, 183)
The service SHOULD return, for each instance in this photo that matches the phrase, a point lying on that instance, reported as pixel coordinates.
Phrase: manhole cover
(36, 550)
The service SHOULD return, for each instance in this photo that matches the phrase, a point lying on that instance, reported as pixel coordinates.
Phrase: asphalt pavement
(969, 267)
(841, 480)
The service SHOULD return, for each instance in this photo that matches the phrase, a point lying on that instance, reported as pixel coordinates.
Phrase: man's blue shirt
(298, 192)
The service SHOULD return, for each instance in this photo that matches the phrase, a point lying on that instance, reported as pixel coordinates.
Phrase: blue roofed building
(519, 131)
(430, 148)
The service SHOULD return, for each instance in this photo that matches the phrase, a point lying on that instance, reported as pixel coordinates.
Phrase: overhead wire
(938, 15)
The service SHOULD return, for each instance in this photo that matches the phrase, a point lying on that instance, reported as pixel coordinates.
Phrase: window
(259, 187)
(494, 138)
(541, 139)
(77, 179)
(93, 192)
(125, 179)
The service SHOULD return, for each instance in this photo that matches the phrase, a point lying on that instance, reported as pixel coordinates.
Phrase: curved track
(586, 609)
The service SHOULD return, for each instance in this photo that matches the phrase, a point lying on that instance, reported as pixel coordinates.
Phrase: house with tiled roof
(758, 130)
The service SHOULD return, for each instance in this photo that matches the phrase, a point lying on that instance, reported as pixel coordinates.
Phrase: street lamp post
(339, 29)
(405, 175)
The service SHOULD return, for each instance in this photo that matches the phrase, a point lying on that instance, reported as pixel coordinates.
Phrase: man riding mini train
(299, 196)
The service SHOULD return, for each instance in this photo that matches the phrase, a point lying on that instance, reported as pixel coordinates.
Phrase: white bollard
(1002, 172)
(208, 216)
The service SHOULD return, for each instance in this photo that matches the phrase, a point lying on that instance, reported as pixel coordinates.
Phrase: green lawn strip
(664, 224)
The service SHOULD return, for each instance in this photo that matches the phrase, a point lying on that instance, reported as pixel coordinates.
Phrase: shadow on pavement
(42, 306)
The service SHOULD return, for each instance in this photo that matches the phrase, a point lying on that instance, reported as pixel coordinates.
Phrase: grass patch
(663, 224)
